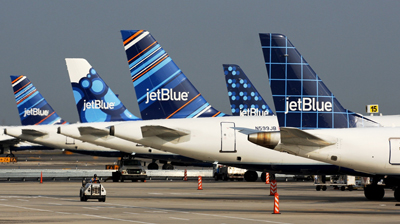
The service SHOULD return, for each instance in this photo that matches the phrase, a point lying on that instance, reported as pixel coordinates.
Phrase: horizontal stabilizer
(93, 131)
(294, 136)
(162, 132)
(33, 132)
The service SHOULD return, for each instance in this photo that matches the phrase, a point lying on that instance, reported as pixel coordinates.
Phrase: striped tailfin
(162, 90)
(33, 109)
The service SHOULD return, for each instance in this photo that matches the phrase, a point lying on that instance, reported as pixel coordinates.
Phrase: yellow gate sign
(8, 159)
(112, 167)
(373, 108)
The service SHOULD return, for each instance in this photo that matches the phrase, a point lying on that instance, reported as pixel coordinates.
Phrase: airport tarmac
(181, 202)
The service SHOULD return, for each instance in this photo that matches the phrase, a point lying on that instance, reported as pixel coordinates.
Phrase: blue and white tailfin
(244, 98)
(95, 101)
(33, 109)
(163, 91)
(301, 98)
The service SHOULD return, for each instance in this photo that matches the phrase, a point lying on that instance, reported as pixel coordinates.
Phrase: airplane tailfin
(162, 90)
(33, 109)
(95, 101)
(301, 98)
(244, 98)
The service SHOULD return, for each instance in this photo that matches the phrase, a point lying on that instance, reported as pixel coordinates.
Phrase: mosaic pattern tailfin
(244, 98)
(33, 109)
(162, 90)
(95, 101)
(301, 98)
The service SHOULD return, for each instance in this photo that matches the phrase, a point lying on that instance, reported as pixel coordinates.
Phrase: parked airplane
(213, 139)
(98, 107)
(314, 124)
(23, 95)
(43, 122)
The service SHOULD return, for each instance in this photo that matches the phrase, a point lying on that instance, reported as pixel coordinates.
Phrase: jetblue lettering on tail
(166, 95)
(307, 104)
(253, 112)
(35, 112)
(244, 98)
(97, 104)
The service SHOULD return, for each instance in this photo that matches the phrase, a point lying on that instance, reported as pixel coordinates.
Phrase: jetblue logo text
(253, 112)
(35, 112)
(165, 95)
(307, 104)
(97, 104)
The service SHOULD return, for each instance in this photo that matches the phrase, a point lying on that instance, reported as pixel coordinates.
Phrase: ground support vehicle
(92, 191)
(129, 169)
(341, 182)
(222, 172)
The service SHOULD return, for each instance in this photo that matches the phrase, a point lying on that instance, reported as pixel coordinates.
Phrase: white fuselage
(368, 150)
(213, 140)
(386, 120)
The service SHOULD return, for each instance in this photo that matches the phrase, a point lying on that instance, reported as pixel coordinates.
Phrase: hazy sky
(352, 45)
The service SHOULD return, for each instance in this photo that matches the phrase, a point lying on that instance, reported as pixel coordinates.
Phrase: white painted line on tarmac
(131, 213)
(34, 209)
(91, 208)
(65, 213)
(165, 211)
(187, 193)
(202, 214)
(156, 211)
(232, 217)
(53, 204)
(179, 218)
(123, 220)
(96, 216)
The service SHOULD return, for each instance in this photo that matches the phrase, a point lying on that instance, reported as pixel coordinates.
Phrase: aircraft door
(394, 151)
(69, 141)
(228, 137)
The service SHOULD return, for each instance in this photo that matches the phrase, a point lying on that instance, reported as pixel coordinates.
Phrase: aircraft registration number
(266, 128)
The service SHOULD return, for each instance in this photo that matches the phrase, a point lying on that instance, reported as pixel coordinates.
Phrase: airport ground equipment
(302, 178)
(341, 182)
(92, 191)
(129, 169)
(222, 172)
